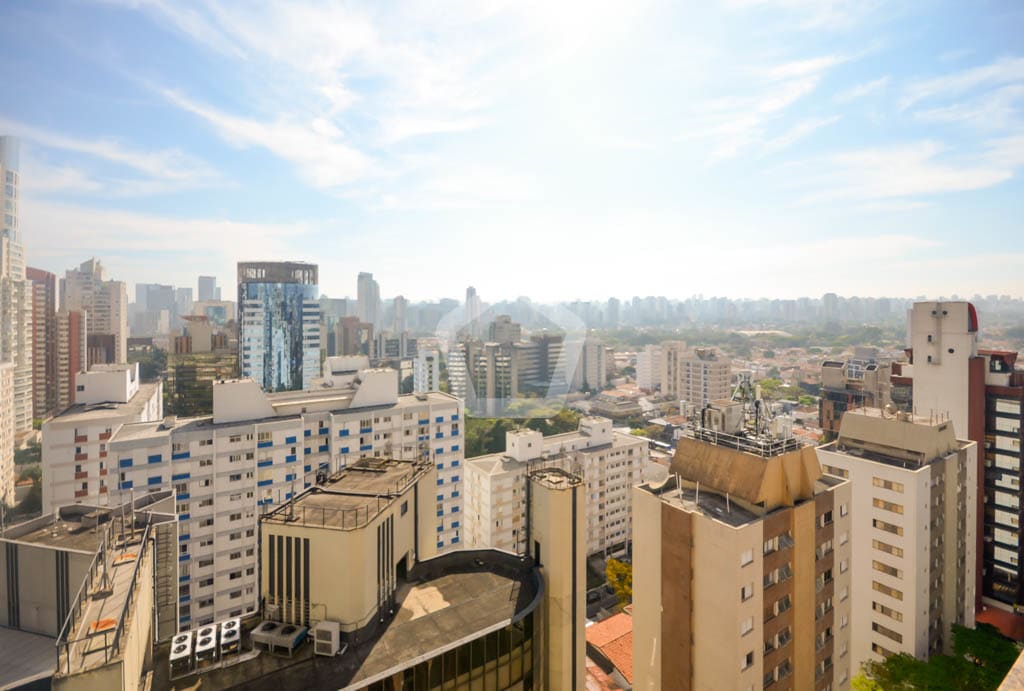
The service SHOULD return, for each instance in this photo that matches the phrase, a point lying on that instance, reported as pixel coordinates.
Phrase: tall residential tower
(278, 324)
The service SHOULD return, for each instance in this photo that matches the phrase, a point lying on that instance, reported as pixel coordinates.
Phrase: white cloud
(58, 236)
(911, 170)
(162, 171)
(800, 130)
(861, 90)
(813, 14)
(997, 109)
(317, 147)
(1005, 70)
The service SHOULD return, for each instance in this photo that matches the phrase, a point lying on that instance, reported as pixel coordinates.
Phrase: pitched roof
(614, 638)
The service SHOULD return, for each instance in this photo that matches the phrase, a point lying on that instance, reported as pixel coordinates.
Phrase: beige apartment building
(7, 469)
(355, 553)
(913, 527)
(608, 462)
(694, 376)
(87, 289)
(741, 574)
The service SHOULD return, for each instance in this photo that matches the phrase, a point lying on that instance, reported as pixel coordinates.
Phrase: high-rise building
(72, 354)
(912, 531)
(503, 330)
(741, 572)
(648, 368)
(696, 376)
(399, 324)
(862, 381)
(6, 433)
(368, 300)
(353, 337)
(981, 393)
(15, 291)
(183, 301)
(208, 289)
(473, 312)
(44, 342)
(279, 324)
(613, 313)
(427, 376)
(105, 304)
(609, 464)
(592, 367)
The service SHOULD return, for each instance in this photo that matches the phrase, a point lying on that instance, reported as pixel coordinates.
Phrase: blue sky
(742, 148)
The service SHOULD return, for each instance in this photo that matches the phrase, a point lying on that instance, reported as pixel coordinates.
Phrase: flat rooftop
(83, 412)
(446, 600)
(353, 497)
(707, 503)
(69, 535)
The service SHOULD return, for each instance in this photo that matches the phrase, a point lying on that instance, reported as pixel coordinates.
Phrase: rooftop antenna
(696, 495)
(728, 508)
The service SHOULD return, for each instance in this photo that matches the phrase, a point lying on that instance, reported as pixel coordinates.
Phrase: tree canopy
(981, 658)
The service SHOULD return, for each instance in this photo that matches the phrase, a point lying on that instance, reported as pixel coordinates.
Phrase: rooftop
(901, 440)
(446, 600)
(98, 411)
(708, 503)
(352, 497)
(613, 637)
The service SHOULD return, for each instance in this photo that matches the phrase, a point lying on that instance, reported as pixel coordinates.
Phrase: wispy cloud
(737, 124)
(997, 109)
(1005, 70)
(911, 170)
(318, 147)
(161, 171)
(813, 14)
(800, 130)
(861, 90)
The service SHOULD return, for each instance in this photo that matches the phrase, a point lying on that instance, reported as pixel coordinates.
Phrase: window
(747, 557)
(887, 548)
(235, 477)
(887, 527)
(887, 505)
(877, 649)
(206, 523)
(887, 484)
(234, 438)
(746, 626)
(235, 517)
(235, 555)
(205, 463)
(887, 611)
(886, 631)
(405, 508)
(843, 510)
(825, 519)
(843, 565)
(747, 592)
(265, 436)
(886, 590)
(886, 569)
(747, 661)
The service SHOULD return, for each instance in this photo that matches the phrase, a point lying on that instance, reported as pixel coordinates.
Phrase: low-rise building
(912, 531)
(608, 462)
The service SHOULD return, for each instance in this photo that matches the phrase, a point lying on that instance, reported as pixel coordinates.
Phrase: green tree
(981, 658)
(620, 578)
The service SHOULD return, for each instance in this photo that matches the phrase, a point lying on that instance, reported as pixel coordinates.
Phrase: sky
(569, 150)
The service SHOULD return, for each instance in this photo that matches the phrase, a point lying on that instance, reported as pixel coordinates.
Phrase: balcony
(81, 456)
(79, 493)
(104, 436)
(81, 438)
(81, 475)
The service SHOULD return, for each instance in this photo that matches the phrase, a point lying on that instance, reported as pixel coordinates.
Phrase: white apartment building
(648, 368)
(105, 302)
(427, 376)
(255, 451)
(592, 366)
(6, 433)
(695, 376)
(15, 291)
(912, 530)
(77, 462)
(609, 462)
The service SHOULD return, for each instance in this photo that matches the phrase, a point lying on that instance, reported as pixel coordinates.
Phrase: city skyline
(793, 137)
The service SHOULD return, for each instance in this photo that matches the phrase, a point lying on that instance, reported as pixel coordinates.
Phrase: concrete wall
(647, 595)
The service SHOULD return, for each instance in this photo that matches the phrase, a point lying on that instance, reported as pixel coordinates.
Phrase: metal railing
(111, 638)
(85, 591)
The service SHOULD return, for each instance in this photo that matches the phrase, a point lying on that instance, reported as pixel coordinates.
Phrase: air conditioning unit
(327, 638)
